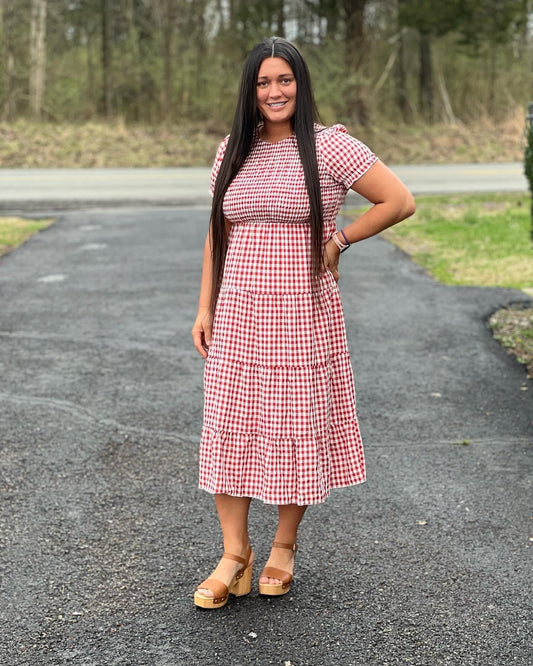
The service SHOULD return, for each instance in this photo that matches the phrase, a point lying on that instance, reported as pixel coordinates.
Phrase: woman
(279, 418)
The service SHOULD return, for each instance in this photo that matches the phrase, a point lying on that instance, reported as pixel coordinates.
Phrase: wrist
(340, 240)
(332, 246)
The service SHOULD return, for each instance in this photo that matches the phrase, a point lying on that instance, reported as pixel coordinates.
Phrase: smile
(276, 105)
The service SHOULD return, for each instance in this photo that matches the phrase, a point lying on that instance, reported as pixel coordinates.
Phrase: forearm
(204, 300)
(392, 203)
(379, 217)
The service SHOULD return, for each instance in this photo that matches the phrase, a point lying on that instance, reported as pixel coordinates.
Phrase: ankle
(285, 538)
(239, 547)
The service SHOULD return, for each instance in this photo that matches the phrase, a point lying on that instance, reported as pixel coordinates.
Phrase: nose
(275, 91)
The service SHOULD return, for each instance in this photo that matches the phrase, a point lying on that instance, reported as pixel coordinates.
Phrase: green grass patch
(15, 230)
(481, 240)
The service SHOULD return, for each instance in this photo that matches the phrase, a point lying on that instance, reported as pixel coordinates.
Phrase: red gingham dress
(280, 421)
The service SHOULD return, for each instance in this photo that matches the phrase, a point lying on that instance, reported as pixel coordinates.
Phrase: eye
(261, 84)
(286, 80)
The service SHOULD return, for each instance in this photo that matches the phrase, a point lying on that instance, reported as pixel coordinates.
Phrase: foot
(225, 572)
(281, 558)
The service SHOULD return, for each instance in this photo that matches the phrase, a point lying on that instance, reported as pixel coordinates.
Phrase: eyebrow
(281, 76)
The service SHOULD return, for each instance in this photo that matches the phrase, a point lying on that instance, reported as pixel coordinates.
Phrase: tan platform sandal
(241, 584)
(275, 590)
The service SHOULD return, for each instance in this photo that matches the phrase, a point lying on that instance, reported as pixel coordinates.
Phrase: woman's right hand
(331, 259)
(202, 331)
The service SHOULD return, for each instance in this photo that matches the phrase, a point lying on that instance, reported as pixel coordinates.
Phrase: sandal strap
(289, 546)
(219, 590)
(237, 558)
(273, 572)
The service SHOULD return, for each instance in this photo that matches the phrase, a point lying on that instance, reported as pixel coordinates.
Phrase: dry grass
(485, 141)
(27, 144)
(99, 144)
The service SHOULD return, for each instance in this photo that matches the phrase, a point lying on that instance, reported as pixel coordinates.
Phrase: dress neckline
(318, 128)
(274, 143)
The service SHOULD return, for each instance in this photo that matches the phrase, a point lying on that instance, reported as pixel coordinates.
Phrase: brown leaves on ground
(513, 328)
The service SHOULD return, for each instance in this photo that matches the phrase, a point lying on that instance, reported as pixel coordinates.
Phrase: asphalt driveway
(104, 534)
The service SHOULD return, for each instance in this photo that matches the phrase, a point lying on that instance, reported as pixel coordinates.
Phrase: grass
(14, 231)
(27, 143)
(479, 240)
(471, 239)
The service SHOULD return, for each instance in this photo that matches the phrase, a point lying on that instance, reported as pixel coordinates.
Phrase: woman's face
(276, 91)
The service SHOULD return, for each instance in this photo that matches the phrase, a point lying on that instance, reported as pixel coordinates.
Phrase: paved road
(104, 533)
(34, 189)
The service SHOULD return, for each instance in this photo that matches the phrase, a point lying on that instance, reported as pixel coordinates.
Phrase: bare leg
(290, 516)
(233, 517)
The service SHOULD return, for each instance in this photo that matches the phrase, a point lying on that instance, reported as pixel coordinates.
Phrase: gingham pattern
(280, 422)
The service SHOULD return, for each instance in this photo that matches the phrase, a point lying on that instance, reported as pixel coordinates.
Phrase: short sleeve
(345, 158)
(216, 166)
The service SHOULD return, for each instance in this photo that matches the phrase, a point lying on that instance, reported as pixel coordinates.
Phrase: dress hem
(274, 503)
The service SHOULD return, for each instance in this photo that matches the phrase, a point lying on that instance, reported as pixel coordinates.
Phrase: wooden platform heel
(273, 572)
(241, 584)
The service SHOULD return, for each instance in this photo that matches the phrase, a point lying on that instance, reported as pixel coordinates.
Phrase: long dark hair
(245, 123)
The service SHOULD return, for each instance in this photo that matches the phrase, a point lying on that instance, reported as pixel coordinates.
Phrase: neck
(276, 131)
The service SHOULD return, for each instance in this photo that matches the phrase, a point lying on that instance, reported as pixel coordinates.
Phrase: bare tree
(8, 58)
(37, 56)
(168, 30)
(425, 77)
(106, 55)
(356, 51)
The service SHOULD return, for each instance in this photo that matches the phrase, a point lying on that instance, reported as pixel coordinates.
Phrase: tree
(431, 18)
(37, 56)
(355, 52)
(8, 57)
(107, 56)
(487, 25)
(166, 13)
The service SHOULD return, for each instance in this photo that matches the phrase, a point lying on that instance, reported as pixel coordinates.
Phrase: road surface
(104, 533)
(63, 189)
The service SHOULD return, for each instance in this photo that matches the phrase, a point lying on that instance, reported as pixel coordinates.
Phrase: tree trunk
(426, 78)
(357, 106)
(90, 70)
(400, 80)
(168, 29)
(8, 58)
(355, 34)
(280, 18)
(37, 56)
(106, 57)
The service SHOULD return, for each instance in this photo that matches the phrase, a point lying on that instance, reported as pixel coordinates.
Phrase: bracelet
(344, 236)
(342, 246)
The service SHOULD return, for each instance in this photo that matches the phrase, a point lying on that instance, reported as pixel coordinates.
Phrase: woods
(149, 61)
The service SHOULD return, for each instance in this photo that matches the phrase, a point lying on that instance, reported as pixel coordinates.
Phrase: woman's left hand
(331, 259)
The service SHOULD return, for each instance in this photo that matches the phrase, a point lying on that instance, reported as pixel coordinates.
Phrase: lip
(276, 105)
